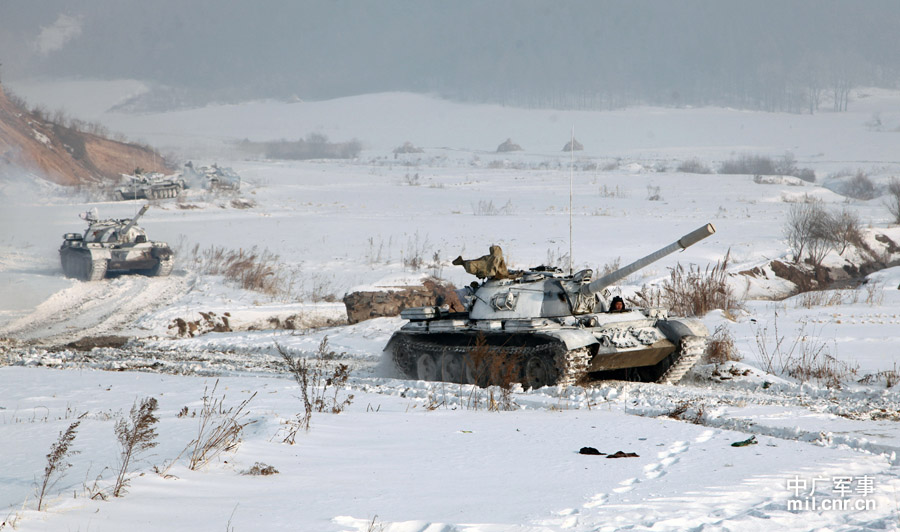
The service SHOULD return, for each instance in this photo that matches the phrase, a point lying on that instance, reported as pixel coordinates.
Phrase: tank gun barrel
(135, 219)
(682, 243)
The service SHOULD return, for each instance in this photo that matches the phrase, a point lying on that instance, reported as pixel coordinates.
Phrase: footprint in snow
(627, 485)
(597, 500)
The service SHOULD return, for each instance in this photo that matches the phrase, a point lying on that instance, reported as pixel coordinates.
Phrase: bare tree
(844, 229)
(808, 229)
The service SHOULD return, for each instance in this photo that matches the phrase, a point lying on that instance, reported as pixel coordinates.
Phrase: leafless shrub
(874, 293)
(314, 378)
(219, 429)
(687, 411)
(612, 165)
(892, 201)
(695, 292)
(806, 358)
(844, 229)
(694, 166)
(556, 259)
(890, 377)
(136, 434)
(805, 198)
(826, 298)
(609, 267)
(251, 270)
(412, 180)
(408, 147)
(653, 193)
(320, 288)
(860, 187)
(416, 249)
(57, 462)
(496, 368)
(261, 469)
(487, 208)
(720, 346)
(606, 192)
(749, 164)
(808, 228)
(315, 146)
(806, 174)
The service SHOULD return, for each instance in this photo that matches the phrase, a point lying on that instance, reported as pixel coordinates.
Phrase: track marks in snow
(94, 308)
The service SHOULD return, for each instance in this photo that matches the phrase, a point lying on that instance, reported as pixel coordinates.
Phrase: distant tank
(150, 186)
(113, 246)
(541, 327)
(215, 178)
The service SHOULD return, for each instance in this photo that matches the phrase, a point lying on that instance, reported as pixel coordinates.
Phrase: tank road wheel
(538, 372)
(162, 269)
(451, 368)
(426, 368)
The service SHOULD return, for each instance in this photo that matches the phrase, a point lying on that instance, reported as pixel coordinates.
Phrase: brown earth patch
(64, 155)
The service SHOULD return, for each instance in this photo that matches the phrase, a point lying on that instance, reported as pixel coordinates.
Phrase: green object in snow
(749, 441)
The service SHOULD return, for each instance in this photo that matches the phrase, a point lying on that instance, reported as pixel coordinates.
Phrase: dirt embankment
(64, 155)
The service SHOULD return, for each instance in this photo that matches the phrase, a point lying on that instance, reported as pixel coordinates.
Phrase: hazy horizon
(582, 54)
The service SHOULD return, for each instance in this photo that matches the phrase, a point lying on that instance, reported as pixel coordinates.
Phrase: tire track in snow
(94, 309)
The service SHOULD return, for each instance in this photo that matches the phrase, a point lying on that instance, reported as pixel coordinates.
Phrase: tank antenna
(571, 178)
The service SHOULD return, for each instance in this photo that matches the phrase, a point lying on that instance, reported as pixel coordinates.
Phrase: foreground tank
(540, 327)
(119, 246)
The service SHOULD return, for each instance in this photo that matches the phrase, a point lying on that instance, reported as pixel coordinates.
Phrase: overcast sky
(645, 49)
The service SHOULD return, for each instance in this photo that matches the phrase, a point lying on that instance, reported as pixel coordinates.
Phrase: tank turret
(547, 294)
(114, 245)
(556, 328)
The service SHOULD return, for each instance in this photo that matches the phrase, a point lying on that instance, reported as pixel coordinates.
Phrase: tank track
(566, 367)
(692, 349)
(164, 268)
(80, 265)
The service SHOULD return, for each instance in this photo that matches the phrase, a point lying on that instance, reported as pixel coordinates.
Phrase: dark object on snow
(621, 454)
(749, 441)
(589, 450)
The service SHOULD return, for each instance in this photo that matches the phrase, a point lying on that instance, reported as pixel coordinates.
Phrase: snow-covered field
(414, 456)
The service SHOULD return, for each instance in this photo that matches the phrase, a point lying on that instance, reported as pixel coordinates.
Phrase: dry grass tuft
(314, 378)
(219, 428)
(720, 346)
(692, 292)
(261, 469)
(496, 368)
(56, 460)
(136, 434)
(807, 357)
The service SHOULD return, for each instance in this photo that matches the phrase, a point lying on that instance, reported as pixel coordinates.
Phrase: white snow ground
(416, 456)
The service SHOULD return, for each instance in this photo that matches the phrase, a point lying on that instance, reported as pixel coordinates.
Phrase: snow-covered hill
(415, 456)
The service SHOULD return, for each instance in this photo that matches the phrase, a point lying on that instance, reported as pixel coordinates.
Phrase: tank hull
(464, 352)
